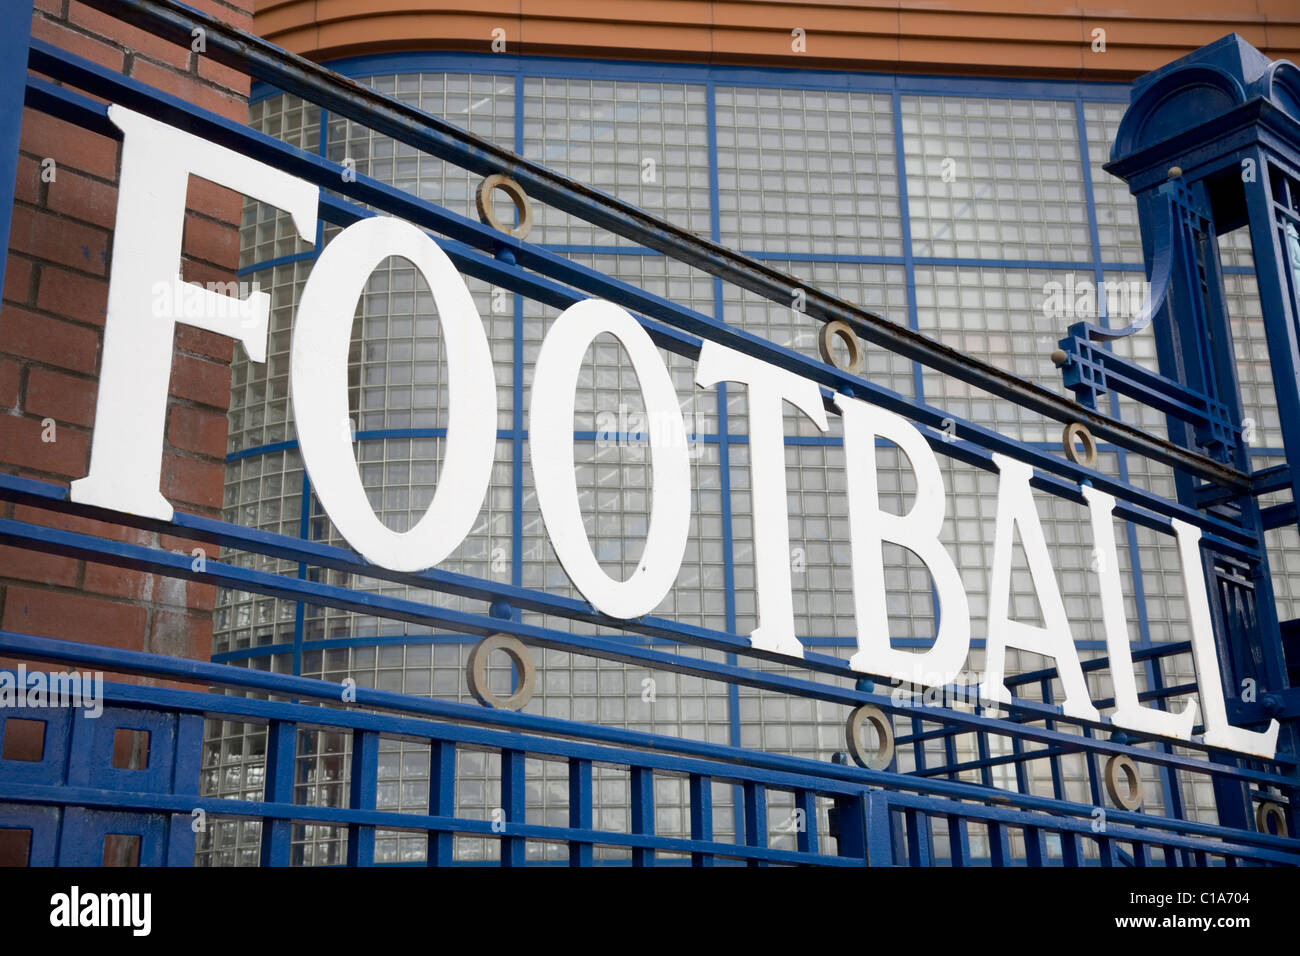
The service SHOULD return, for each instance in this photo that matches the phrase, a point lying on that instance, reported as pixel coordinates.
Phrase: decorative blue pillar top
(1209, 92)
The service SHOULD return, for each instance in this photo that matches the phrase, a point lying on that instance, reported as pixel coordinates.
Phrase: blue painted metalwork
(52, 781)
(15, 33)
(73, 795)
(1208, 146)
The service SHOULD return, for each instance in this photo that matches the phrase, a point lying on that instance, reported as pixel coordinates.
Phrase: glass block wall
(946, 207)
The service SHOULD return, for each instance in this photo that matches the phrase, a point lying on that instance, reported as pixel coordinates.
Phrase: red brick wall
(51, 331)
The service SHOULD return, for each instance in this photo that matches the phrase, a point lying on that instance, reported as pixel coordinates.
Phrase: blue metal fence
(75, 799)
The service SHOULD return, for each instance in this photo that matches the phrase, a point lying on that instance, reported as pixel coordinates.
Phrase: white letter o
(550, 446)
(319, 387)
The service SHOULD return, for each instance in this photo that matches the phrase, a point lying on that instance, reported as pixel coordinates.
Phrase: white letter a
(1016, 509)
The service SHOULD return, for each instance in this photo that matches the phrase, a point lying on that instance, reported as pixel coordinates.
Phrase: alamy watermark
(925, 691)
(38, 689)
(73, 909)
(636, 430)
(1080, 298)
(232, 300)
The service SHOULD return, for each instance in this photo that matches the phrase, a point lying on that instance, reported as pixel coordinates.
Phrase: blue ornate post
(1211, 144)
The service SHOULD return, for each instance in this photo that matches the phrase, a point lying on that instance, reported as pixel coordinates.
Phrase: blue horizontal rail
(434, 135)
(161, 788)
(53, 540)
(509, 260)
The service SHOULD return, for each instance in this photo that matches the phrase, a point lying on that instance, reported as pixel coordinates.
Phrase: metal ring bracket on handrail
(486, 214)
(477, 677)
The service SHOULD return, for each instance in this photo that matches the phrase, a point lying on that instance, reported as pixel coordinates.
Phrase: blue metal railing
(173, 564)
(158, 802)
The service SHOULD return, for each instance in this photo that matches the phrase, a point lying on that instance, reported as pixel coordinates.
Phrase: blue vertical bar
(918, 838)
(187, 760)
(517, 450)
(755, 816)
(1085, 166)
(999, 844)
(918, 382)
(715, 217)
(15, 35)
(180, 841)
(918, 756)
(322, 150)
(701, 816)
(852, 826)
(958, 835)
(982, 749)
(581, 795)
(1022, 771)
(363, 793)
(304, 516)
(1105, 846)
(950, 750)
(643, 813)
(281, 753)
(1035, 847)
(442, 800)
(1071, 848)
(304, 528)
(513, 802)
(724, 447)
(1169, 784)
(517, 383)
(299, 611)
(958, 840)
(909, 270)
(1094, 773)
(1058, 781)
(806, 839)
(879, 834)
(913, 321)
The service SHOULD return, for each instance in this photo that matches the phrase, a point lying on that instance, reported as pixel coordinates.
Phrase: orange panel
(1026, 38)
(694, 13)
(611, 37)
(992, 27)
